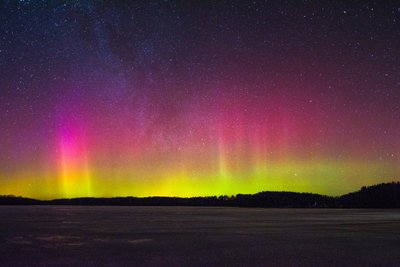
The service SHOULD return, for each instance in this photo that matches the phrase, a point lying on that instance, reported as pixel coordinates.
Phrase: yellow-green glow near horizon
(300, 176)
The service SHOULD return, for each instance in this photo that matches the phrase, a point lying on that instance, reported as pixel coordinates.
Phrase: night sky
(188, 98)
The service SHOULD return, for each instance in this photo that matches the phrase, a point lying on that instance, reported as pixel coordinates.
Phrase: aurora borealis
(190, 98)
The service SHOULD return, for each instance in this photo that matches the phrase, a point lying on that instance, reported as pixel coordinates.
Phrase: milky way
(186, 98)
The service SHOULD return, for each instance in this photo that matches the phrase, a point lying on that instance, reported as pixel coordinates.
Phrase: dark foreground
(197, 236)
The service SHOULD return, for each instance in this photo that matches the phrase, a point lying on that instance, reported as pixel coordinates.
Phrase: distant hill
(386, 195)
(14, 200)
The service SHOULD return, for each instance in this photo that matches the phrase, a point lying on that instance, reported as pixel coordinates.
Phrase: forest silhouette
(385, 195)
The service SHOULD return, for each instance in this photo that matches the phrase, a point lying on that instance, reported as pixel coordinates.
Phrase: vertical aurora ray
(223, 168)
(75, 178)
(260, 149)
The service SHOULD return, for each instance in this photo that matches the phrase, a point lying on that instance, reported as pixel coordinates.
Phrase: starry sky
(190, 98)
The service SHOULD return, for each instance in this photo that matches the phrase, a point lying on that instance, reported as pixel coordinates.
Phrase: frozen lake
(197, 236)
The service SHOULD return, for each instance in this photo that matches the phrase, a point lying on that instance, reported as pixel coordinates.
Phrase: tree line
(385, 195)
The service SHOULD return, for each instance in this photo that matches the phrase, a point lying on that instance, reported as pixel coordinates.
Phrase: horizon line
(203, 196)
